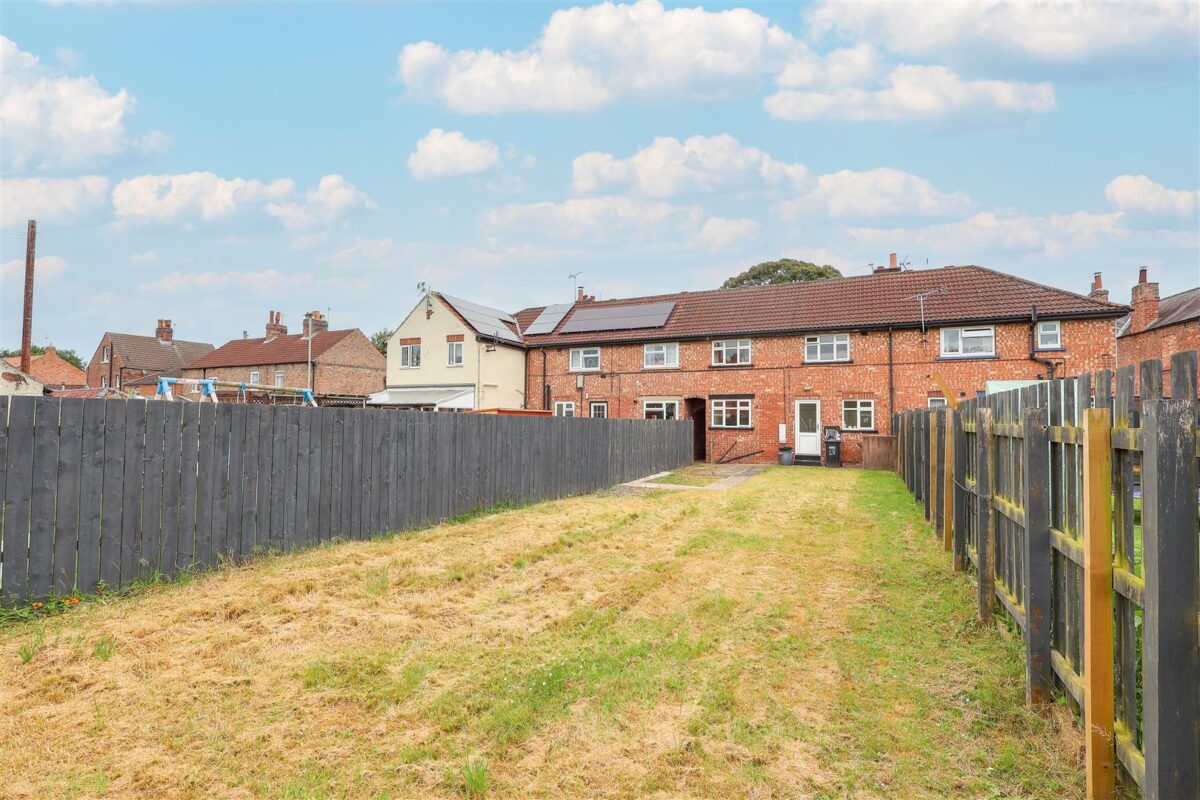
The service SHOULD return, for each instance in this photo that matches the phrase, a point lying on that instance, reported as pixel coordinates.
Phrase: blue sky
(207, 163)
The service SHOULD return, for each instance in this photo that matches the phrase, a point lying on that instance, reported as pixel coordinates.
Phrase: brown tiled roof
(287, 349)
(1174, 309)
(52, 369)
(155, 355)
(967, 294)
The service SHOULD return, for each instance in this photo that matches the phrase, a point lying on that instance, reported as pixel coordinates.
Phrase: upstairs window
(937, 402)
(585, 359)
(968, 342)
(828, 347)
(1049, 335)
(728, 352)
(410, 356)
(254, 377)
(731, 412)
(454, 355)
(104, 358)
(279, 377)
(660, 356)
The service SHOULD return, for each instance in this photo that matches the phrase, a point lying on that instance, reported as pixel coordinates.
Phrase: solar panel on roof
(549, 318)
(619, 318)
(486, 321)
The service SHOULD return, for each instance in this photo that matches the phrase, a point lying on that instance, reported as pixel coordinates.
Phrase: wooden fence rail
(107, 492)
(1074, 502)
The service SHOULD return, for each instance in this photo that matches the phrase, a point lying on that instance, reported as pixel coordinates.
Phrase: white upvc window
(254, 376)
(564, 408)
(107, 351)
(585, 359)
(454, 354)
(661, 355)
(410, 356)
(937, 402)
(103, 381)
(968, 342)
(827, 347)
(726, 352)
(1049, 335)
(279, 377)
(732, 412)
(598, 409)
(858, 415)
(660, 409)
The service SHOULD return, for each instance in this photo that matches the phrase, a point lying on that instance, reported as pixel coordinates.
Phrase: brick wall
(1160, 343)
(779, 376)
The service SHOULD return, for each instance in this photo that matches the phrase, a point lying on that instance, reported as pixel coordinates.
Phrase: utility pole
(27, 323)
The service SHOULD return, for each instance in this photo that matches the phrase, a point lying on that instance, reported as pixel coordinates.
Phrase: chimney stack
(27, 321)
(1098, 291)
(274, 326)
(164, 333)
(579, 295)
(893, 265)
(315, 323)
(1144, 302)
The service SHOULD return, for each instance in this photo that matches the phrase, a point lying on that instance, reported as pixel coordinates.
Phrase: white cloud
(51, 121)
(43, 267)
(49, 199)
(597, 218)
(167, 197)
(264, 282)
(719, 233)
(915, 93)
(987, 232)
(143, 257)
(363, 250)
(332, 197)
(1139, 193)
(1050, 31)
(876, 192)
(668, 167)
(589, 57)
(442, 154)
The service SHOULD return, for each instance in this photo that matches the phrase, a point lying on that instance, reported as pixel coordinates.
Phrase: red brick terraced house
(130, 362)
(761, 367)
(1158, 328)
(344, 362)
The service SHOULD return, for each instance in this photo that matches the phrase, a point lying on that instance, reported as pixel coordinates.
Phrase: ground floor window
(660, 409)
(937, 402)
(598, 409)
(731, 412)
(564, 409)
(858, 415)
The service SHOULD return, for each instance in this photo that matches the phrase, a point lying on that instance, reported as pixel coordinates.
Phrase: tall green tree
(785, 270)
(380, 340)
(66, 355)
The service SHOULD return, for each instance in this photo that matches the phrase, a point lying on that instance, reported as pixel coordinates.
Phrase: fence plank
(45, 485)
(114, 481)
(1039, 674)
(239, 418)
(66, 514)
(206, 472)
(1171, 665)
(17, 499)
(91, 486)
(1099, 740)
(303, 445)
(266, 485)
(172, 478)
(986, 542)
(131, 494)
(150, 521)
(250, 457)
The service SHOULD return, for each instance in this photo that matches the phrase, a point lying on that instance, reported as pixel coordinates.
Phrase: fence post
(931, 507)
(959, 543)
(947, 511)
(1039, 675)
(1100, 758)
(986, 518)
(1171, 673)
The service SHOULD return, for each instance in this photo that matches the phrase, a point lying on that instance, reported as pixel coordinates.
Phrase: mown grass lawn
(799, 635)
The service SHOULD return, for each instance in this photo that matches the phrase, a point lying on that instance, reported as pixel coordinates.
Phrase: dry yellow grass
(797, 636)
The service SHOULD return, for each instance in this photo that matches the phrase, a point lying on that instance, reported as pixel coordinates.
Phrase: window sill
(583, 371)
(454, 366)
(833, 362)
(945, 357)
(720, 428)
(661, 368)
(1050, 350)
(731, 366)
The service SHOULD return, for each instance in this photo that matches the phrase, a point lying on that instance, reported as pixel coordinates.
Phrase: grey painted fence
(108, 492)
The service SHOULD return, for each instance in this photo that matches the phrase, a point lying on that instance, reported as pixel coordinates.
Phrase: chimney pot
(1142, 275)
(891, 260)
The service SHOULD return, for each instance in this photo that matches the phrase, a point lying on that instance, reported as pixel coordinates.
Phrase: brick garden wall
(779, 377)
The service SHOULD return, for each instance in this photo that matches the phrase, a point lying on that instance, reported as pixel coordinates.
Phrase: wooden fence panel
(91, 486)
(66, 514)
(131, 496)
(172, 480)
(45, 486)
(150, 522)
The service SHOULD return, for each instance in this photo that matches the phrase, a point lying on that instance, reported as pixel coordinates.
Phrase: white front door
(808, 427)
